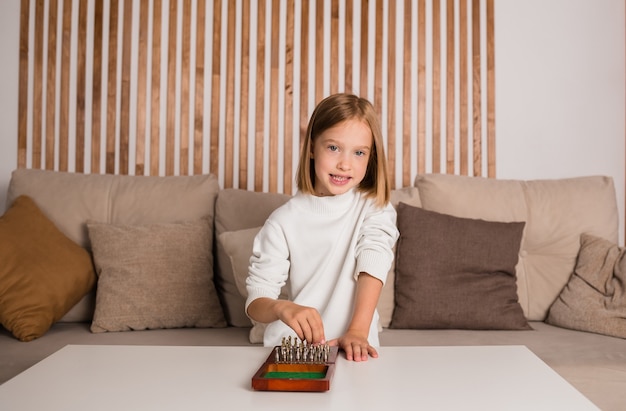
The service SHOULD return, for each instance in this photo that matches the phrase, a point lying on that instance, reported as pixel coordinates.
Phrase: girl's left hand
(356, 346)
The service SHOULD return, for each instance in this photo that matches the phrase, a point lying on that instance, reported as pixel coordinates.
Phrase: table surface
(98, 377)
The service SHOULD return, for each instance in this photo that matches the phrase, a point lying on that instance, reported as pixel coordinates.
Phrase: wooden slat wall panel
(239, 79)
(229, 141)
(421, 86)
(155, 89)
(142, 87)
(22, 123)
(463, 89)
(288, 171)
(260, 99)
(81, 76)
(51, 85)
(185, 85)
(124, 144)
(409, 45)
(245, 84)
(111, 116)
(96, 91)
(198, 143)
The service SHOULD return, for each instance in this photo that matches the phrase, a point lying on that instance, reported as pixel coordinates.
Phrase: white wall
(560, 90)
(9, 69)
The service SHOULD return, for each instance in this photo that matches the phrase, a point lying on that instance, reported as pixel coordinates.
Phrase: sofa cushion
(43, 274)
(456, 272)
(594, 299)
(556, 212)
(235, 210)
(154, 276)
(237, 245)
(70, 199)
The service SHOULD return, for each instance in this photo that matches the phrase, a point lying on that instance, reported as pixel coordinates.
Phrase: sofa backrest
(556, 213)
(69, 200)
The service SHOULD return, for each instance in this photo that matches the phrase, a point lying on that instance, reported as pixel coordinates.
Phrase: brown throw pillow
(456, 272)
(154, 276)
(43, 274)
(594, 299)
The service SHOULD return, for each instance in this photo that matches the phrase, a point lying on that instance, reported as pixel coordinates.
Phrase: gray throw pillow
(456, 272)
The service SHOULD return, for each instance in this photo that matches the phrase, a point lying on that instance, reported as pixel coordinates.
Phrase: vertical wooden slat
(391, 92)
(491, 92)
(81, 74)
(142, 85)
(476, 88)
(215, 88)
(184, 89)
(38, 111)
(436, 88)
(51, 84)
(96, 90)
(304, 69)
(450, 88)
(198, 149)
(229, 139)
(260, 98)
(463, 89)
(155, 93)
(64, 92)
(274, 68)
(407, 96)
(288, 140)
(378, 59)
(112, 89)
(170, 109)
(349, 27)
(421, 87)
(364, 48)
(22, 103)
(334, 46)
(319, 51)
(123, 154)
(245, 84)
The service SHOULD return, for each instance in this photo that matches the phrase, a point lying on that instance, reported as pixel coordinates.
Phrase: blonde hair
(331, 111)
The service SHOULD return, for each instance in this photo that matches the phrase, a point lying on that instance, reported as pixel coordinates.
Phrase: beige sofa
(585, 349)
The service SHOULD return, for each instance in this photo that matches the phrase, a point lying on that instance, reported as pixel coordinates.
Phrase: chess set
(296, 366)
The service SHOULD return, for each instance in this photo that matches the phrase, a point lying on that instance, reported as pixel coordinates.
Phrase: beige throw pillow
(594, 299)
(238, 246)
(154, 276)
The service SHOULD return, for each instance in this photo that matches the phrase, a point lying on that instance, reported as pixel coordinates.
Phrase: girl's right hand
(305, 321)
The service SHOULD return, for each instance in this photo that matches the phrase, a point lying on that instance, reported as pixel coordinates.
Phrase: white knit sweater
(317, 246)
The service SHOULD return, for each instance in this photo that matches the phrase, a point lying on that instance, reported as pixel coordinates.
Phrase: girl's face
(340, 155)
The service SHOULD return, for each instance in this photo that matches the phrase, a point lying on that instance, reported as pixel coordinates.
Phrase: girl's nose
(343, 164)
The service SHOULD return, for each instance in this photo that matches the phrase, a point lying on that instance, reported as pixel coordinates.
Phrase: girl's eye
(360, 153)
(333, 147)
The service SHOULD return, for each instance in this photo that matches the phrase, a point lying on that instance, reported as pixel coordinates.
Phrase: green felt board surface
(294, 375)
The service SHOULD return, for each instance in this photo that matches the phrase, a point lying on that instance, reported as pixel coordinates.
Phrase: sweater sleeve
(269, 264)
(378, 234)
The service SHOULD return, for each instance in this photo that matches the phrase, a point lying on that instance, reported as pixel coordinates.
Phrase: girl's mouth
(340, 180)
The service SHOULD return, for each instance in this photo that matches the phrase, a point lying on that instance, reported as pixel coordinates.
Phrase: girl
(331, 243)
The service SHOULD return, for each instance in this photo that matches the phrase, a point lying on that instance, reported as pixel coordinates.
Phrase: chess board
(295, 366)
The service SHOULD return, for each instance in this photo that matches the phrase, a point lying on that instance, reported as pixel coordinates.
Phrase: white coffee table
(82, 377)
